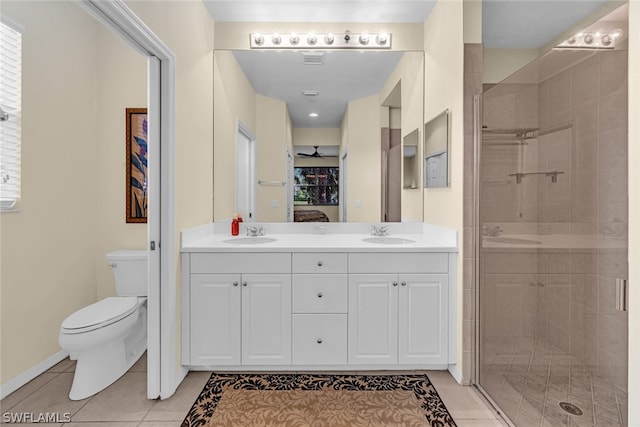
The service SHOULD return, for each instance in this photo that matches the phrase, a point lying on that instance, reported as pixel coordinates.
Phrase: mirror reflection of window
(315, 186)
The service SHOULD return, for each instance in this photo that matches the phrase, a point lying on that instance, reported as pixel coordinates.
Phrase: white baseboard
(456, 373)
(17, 382)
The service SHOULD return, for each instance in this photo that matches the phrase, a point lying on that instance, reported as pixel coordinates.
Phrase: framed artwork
(136, 165)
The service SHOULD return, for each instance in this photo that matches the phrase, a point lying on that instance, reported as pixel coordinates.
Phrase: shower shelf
(552, 174)
(515, 136)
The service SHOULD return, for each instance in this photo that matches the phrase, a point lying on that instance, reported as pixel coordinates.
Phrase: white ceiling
(343, 77)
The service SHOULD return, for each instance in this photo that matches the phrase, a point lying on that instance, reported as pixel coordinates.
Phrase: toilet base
(99, 367)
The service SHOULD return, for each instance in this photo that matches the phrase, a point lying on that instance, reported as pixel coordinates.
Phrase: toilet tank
(130, 271)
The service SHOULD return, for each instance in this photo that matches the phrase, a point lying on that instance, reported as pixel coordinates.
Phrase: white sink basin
(513, 240)
(249, 240)
(388, 240)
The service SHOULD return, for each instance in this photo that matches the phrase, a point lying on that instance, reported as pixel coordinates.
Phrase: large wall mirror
(329, 130)
(436, 151)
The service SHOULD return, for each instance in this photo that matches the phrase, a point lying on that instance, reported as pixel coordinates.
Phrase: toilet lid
(103, 312)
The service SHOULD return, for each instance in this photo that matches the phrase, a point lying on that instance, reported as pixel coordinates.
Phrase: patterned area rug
(308, 400)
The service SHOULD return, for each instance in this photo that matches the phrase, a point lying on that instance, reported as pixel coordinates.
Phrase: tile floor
(528, 378)
(124, 403)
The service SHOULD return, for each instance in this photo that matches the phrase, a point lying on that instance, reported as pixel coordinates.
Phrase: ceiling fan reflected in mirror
(316, 154)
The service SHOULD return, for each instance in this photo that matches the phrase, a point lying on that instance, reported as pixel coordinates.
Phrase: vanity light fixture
(592, 40)
(345, 40)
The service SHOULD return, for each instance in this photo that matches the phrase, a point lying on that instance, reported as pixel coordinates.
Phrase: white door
(245, 173)
(215, 319)
(422, 321)
(266, 319)
(373, 319)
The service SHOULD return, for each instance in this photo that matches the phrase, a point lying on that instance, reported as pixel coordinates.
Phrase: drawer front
(220, 262)
(399, 262)
(319, 262)
(320, 293)
(319, 339)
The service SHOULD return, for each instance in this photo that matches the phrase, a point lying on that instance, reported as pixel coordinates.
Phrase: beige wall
(271, 158)
(501, 63)
(444, 52)
(122, 74)
(634, 211)
(410, 73)
(361, 138)
(234, 99)
(316, 136)
(48, 262)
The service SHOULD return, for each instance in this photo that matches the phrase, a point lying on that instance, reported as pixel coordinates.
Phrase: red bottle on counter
(235, 226)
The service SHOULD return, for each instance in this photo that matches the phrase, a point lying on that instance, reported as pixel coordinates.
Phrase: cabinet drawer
(319, 262)
(320, 339)
(320, 293)
(398, 262)
(220, 262)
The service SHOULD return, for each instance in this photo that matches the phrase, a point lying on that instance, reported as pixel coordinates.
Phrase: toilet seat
(100, 314)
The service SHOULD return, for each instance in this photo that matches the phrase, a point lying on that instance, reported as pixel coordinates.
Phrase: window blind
(10, 116)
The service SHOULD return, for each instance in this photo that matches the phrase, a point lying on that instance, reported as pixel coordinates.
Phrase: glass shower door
(553, 253)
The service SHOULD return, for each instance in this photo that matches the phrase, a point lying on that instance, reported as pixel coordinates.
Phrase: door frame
(162, 376)
(250, 163)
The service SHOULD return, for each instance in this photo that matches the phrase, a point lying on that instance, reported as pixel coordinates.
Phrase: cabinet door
(215, 319)
(373, 319)
(266, 319)
(423, 320)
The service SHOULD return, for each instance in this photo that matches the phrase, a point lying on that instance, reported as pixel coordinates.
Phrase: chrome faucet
(380, 230)
(492, 231)
(254, 231)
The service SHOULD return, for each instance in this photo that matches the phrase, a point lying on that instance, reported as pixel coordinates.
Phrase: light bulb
(617, 33)
(313, 115)
(276, 38)
(312, 38)
(294, 38)
(329, 38)
(258, 38)
(382, 37)
(588, 38)
(606, 40)
(364, 38)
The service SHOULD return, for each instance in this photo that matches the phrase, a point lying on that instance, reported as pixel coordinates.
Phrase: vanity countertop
(320, 238)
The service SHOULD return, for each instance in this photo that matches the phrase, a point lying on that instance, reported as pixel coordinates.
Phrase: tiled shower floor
(527, 378)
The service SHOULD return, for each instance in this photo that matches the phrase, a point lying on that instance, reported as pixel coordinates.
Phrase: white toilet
(108, 337)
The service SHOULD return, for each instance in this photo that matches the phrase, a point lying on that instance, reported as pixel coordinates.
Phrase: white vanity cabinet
(398, 314)
(319, 308)
(237, 318)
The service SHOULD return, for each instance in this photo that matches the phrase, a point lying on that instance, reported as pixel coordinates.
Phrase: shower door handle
(621, 295)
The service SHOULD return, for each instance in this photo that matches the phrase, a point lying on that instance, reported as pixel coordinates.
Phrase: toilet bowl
(108, 337)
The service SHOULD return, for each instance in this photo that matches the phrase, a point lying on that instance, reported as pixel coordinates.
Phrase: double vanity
(305, 296)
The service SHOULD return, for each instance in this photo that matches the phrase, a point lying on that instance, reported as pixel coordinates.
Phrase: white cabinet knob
(395, 283)
(319, 340)
(320, 263)
(235, 283)
(319, 294)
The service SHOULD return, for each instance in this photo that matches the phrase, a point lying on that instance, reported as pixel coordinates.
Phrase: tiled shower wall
(565, 297)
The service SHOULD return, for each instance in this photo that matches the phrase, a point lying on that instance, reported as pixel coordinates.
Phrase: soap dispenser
(235, 225)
